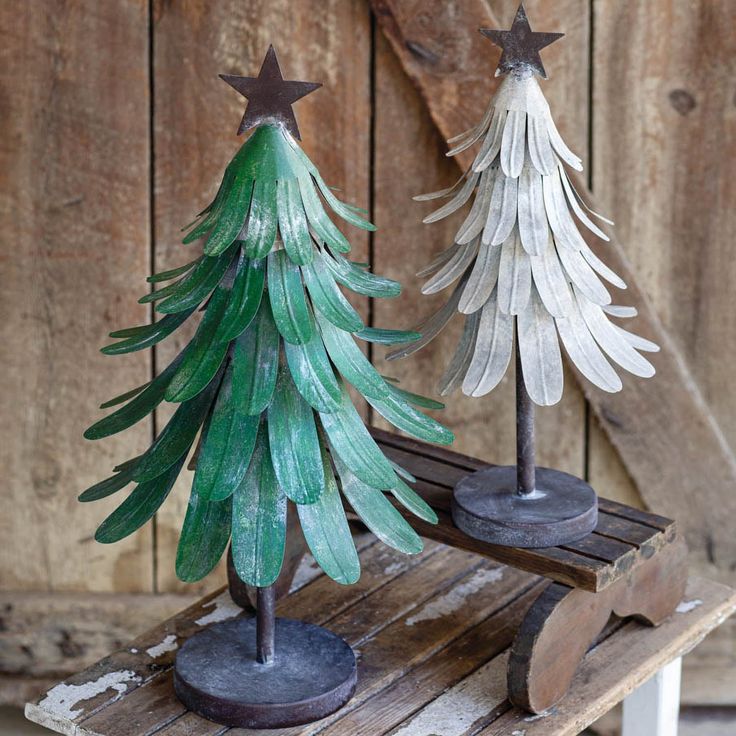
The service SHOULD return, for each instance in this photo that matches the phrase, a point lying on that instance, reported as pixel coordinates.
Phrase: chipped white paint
(133, 650)
(225, 608)
(167, 645)
(393, 568)
(453, 600)
(467, 704)
(687, 606)
(62, 699)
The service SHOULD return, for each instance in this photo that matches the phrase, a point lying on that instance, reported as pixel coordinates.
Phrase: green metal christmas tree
(265, 376)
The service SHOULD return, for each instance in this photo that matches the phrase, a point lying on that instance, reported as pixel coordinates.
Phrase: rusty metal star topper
(521, 46)
(269, 95)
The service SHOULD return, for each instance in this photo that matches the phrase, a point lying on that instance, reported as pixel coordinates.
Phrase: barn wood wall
(115, 129)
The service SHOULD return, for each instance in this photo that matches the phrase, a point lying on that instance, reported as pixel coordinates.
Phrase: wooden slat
(74, 160)
(648, 420)
(196, 117)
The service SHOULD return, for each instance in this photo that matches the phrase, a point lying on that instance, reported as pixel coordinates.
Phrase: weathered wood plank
(408, 160)
(646, 421)
(74, 159)
(196, 117)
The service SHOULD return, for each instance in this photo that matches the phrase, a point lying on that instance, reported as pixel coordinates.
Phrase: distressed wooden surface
(74, 162)
(433, 635)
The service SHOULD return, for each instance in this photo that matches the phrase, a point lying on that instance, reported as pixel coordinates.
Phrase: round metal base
(216, 675)
(486, 506)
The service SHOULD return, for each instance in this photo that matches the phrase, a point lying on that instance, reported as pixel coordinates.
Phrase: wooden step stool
(450, 642)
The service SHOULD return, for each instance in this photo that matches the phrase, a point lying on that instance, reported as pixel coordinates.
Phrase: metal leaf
(576, 195)
(513, 143)
(415, 399)
(350, 361)
(177, 437)
(259, 230)
(173, 272)
(583, 276)
(483, 279)
(378, 513)
(585, 353)
(411, 500)
(293, 224)
(453, 269)
(514, 277)
(476, 219)
(324, 228)
(292, 436)
(259, 520)
(203, 356)
(384, 336)
(558, 215)
(492, 143)
(439, 261)
(432, 326)
(540, 353)
(502, 211)
(456, 202)
(455, 372)
(533, 227)
(143, 502)
(359, 280)
(640, 343)
(255, 362)
(327, 297)
(231, 216)
(313, 375)
(622, 312)
(540, 148)
(599, 267)
(212, 212)
(245, 298)
(611, 340)
(125, 396)
(288, 303)
(194, 288)
(116, 482)
(204, 537)
(442, 192)
(578, 210)
(551, 282)
(492, 350)
(228, 440)
(403, 416)
(561, 147)
(327, 533)
(149, 335)
(142, 405)
(354, 445)
(465, 140)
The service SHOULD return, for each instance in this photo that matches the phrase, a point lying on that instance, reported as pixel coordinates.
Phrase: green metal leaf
(229, 438)
(313, 375)
(295, 450)
(124, 397)
(416, 399)
(293, 222)
(231, 216)
(245, 298)
(262, 221)
(386, 337)
(113, 484)
(204, 537)
(177, 437)
(288, 303)
(403, 472)
(259, 520)
(193, 289)
(404, 416)
(354, 445)
(359, 280)
(142, 405)
(323, 227)
(327, 533)
(212, 212)
(203, 356)
(150, 335)
(255, 362)
(155, 296)
(411, 500)
(377, 513)
(143, 502)
(327, 297)
(173, 272)
(351, 363)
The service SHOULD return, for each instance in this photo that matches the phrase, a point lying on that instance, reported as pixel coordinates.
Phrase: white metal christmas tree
(523, 268)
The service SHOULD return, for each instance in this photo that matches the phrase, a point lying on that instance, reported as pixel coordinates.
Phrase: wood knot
(683, 101)
(422, 52)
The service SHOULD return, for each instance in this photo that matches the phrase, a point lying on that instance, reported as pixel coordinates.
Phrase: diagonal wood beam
(663, 429)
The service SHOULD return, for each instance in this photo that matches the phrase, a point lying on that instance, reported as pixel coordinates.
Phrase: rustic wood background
(114, 131)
